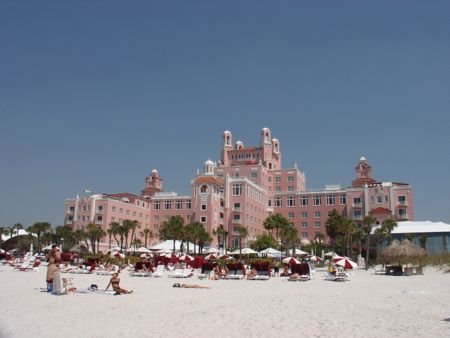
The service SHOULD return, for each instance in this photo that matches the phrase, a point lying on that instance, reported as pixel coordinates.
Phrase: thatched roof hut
(402, 252)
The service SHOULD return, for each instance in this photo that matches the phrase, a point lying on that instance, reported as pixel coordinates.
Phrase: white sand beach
(368, 305)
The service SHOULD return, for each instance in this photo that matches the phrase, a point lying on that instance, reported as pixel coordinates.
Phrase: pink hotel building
(246, 186)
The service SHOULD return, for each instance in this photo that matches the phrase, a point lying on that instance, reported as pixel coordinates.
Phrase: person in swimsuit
(114, 282)
(190, 286)
(51, 269)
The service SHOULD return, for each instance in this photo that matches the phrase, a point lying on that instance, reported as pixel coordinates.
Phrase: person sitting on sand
(331, 268)
(253, 273)
(114, 282)
(190, 286)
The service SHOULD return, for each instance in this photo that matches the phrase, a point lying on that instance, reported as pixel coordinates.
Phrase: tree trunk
(367, 251)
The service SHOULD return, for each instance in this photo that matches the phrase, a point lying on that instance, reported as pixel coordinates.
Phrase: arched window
(204, 189)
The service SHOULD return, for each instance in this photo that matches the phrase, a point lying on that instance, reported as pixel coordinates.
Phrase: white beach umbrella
(271, 251)
(212, 251)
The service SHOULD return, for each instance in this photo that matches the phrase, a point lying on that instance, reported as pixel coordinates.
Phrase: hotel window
(237, 218)
(402, 213)
(178, 204)
(84, 208)
(342, 199)
(290, 178)
(304, 214)
(291, 201)
(278, 188)
(113, 209)
(356, 201)
(127, 212)
(304, 235)
(157, 205)
(291, 215)
(254, 174)
(83, 218)
(317, 200)
(203, 219)
(304, 224)
(304, 201)
(188, 217)
(99, 219)
(203, 206)
(316, 214)
(237, 189)
(317, 224)
(278, 202)
(237, 206)
(290, 188)
(401, 199)
(167, 205)
(113, 219)
(277, 179)
(331, 199)
(188, 204)
(357, 214)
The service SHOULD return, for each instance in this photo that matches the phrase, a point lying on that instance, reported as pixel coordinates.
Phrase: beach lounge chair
(30, 265)
(207, 268)
(181, 273)
(337, 277)
(159, 271)
(235, 271)
(263, 271)
(300, 272)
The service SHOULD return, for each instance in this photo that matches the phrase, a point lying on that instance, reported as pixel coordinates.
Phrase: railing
(236, 221)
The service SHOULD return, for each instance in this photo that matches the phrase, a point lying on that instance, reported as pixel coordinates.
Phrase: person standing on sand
(51, 269)
(55, 254)
(114, 282)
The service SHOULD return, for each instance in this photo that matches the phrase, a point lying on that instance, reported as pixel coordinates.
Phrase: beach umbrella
(346, 263)
(212, 251)
(299, 252)
(116, 254)
(290, 260)
(210, 257)
(226, 257)
(185, 257)
(315, 258)
(329, 254)
(271, 251)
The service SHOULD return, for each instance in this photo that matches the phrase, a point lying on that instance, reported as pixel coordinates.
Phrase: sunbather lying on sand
(190, 286)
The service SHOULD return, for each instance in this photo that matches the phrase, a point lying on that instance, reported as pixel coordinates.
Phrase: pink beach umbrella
(290, 260)
(185, 257)
(346, 263)
(210, 257)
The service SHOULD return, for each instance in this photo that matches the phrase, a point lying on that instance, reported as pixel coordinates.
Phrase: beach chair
(31, 266)
(338, 277)
(159, 271)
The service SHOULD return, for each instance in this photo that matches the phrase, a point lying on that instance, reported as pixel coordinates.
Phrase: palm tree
(242, 232)
(289, 238)
(147, 233)
(172, 229)
(94, 233)
(276, 221)
(385, 230)
(222, 236)
(117, 230)
(368, 223)
(333, 225)
(39, 228)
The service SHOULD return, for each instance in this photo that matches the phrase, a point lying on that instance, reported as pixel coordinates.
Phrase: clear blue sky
(98, 93)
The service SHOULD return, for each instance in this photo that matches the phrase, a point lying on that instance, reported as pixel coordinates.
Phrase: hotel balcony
(357, 205)
(237, 221)
(403, 217)
(357, 217)
(402, 204)
(237, 209)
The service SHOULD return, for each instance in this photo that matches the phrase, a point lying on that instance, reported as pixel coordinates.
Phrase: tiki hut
(403, 252)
